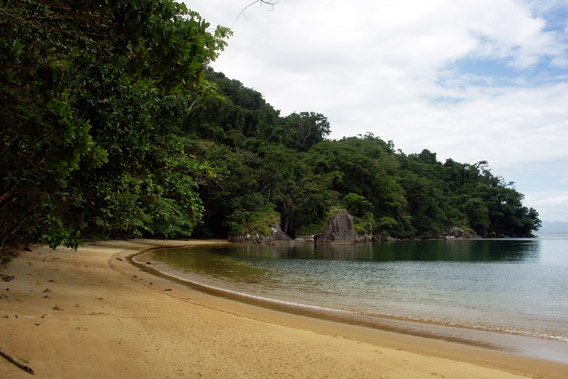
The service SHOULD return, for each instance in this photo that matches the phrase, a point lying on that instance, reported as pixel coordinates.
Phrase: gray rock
(457, 232)
(276, 233)
(339, 229)
(276, 236)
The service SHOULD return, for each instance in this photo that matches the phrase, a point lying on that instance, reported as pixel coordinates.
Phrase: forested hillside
(266, 163)
(112, 125)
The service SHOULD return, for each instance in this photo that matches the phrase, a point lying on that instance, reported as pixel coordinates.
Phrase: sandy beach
(91, 314)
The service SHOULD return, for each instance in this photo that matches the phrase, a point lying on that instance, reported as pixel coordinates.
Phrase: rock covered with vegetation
(274, 235)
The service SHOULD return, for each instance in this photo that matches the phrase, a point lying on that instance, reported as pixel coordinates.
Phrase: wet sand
(91, 314)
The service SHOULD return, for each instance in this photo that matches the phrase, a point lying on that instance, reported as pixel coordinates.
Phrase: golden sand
(91, 314)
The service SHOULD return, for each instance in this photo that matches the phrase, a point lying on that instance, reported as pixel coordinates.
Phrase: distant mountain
(553, 227)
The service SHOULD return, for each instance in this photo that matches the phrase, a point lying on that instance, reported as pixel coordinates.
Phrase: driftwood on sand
(17, 362)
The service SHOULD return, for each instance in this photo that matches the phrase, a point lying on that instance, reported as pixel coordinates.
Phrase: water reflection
(513, 251)
(514, 286)
(455, 251)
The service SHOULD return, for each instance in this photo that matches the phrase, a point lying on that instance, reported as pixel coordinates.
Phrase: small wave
(352, 312)
(244, 294)
(495, 329)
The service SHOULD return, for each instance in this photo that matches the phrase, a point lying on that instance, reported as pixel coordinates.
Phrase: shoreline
(512, 342)
(90, 313)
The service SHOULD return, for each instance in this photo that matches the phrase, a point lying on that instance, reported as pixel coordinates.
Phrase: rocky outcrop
(457, 232)
(305, 239)
(339, 229)
(364, 238)
(276, 236)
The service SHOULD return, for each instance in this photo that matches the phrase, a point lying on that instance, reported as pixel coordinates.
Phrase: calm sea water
(509, 294)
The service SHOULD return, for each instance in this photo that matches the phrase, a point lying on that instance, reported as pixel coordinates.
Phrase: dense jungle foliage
(265, 162)
(112, 125)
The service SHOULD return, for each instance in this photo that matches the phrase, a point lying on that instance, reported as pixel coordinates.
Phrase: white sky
(469, 80)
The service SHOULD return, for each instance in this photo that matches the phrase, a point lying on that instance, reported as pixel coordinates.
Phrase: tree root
(16, 362)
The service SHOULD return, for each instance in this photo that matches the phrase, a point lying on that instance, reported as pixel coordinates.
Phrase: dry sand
(91, 314)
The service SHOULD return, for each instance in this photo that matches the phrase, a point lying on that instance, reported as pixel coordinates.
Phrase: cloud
(471, 79)
(551, 205)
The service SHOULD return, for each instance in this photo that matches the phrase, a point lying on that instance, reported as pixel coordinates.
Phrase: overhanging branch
(270, 3)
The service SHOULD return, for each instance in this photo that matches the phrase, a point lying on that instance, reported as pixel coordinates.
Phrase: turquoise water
(509, 294)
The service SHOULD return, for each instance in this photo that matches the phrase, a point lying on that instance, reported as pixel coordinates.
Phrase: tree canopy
(113, 124)
(92, 93)
(270, 162)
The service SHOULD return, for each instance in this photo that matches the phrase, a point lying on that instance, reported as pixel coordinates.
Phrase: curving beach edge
(90, 314)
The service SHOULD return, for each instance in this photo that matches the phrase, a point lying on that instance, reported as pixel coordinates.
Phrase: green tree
(307, 129)
(91, 91)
